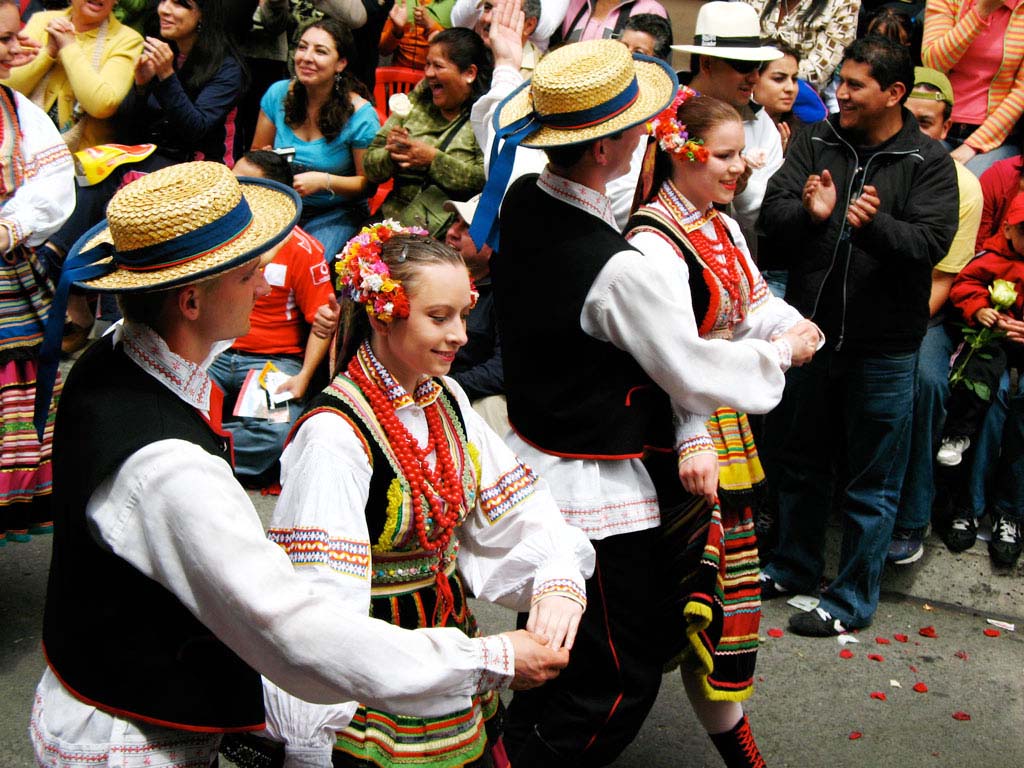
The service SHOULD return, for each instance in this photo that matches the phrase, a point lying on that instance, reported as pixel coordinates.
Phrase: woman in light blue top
(325, 115)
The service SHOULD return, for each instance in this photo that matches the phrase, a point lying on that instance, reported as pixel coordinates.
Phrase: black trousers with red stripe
(594, 709)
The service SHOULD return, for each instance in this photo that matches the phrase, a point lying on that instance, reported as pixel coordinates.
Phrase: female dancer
(404, 501)
(698, 163)
(324, 114)
(36, 195)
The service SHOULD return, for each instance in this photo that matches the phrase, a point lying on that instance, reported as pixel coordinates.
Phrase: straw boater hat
(182, 224)
(578, 93)
(175, 226)
(729, 31)
(584, 91)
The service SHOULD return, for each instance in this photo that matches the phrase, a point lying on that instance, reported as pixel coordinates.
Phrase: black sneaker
(962, 532)
(1005, 545)
(771, 589)
(816, 623)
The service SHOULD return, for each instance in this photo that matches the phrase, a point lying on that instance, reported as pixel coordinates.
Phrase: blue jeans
(777, 280)
(334, 227)
(258, 442)
(864, 404)
(996, 477)
(932, 391)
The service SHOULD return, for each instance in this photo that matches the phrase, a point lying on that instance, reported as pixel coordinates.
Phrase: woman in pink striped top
(980, 45)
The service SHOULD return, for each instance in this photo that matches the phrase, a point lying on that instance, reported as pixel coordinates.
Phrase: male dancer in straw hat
(166, 601)
(727, 53)
(591, 365)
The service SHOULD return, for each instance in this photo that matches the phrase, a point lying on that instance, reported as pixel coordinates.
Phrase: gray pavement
(808, 700)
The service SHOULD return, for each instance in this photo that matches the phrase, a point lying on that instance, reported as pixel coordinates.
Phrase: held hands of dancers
(803, 339)
(556, 618)
(535, 662)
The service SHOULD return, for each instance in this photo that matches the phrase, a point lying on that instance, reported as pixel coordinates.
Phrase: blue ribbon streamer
(484, 229)
(81, 266)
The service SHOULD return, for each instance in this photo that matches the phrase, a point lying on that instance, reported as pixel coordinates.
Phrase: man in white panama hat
(166, 602)
(727, 53)
(593, 374)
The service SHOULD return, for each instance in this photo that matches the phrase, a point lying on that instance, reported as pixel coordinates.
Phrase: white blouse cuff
(497, 663)
(785, 353)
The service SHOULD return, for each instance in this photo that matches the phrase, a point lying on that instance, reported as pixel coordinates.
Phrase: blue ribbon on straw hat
(175, 226)
(578, 93)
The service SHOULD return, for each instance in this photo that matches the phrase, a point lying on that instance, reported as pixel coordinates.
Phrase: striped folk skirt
(713, 562)
(25, 471)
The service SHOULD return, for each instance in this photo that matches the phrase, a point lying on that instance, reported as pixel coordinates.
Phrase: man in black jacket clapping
(864, 206)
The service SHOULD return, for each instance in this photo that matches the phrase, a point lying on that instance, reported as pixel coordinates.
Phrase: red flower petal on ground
(920, 687)
(962, 655)
(876, 657)
(846, 653)
(928, 631)
(775, 632)
(989, 632)
(961, 716)
(878, 695)
(855, 735)
(901, 638)
(913, 669)
(882, 640)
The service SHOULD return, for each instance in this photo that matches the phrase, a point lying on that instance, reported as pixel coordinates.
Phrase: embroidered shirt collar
(684, 211)
(578, 196)
(150, 352)
(427, 391)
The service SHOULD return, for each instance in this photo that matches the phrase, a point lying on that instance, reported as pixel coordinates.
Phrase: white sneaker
(951, 452)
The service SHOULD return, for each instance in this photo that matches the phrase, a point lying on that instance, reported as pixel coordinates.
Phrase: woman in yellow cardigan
(83, 70)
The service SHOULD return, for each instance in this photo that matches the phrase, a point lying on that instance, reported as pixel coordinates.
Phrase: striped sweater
(950, 26)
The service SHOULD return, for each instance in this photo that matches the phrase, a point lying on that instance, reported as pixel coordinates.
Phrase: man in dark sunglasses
(726, 55)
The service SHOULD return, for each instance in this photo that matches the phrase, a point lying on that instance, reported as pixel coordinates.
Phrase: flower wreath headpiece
(365, 278)
(672, 135)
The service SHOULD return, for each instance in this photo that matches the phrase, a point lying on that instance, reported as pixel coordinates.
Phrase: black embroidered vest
(568, 393)
(114, 637)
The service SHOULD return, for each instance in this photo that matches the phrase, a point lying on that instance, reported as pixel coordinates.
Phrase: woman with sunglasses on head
(324, 113)
(399, 498)
(698, 164)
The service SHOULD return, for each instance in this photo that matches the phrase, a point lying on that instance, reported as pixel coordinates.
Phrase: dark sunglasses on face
(743, 67)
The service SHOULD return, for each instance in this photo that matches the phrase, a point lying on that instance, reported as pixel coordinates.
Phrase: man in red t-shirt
(300, 283)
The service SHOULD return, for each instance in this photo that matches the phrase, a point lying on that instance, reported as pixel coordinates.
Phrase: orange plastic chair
(393, 80)
(390, 80)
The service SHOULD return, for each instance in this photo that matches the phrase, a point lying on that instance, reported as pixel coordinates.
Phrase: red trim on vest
(144, 718)
(215, 419)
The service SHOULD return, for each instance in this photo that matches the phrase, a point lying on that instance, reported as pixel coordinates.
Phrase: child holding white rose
(990, 286)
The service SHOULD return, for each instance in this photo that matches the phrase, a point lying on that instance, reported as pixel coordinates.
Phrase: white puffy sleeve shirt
(46, 197)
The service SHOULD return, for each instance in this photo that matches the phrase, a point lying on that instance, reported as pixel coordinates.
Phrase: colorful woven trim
(315, 546)
(563, 587)
(509, 490)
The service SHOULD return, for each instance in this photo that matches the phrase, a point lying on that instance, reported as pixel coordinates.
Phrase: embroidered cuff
(785, 353)
(561, 587)
(497, 663)
(695, 446)
(12, 236)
